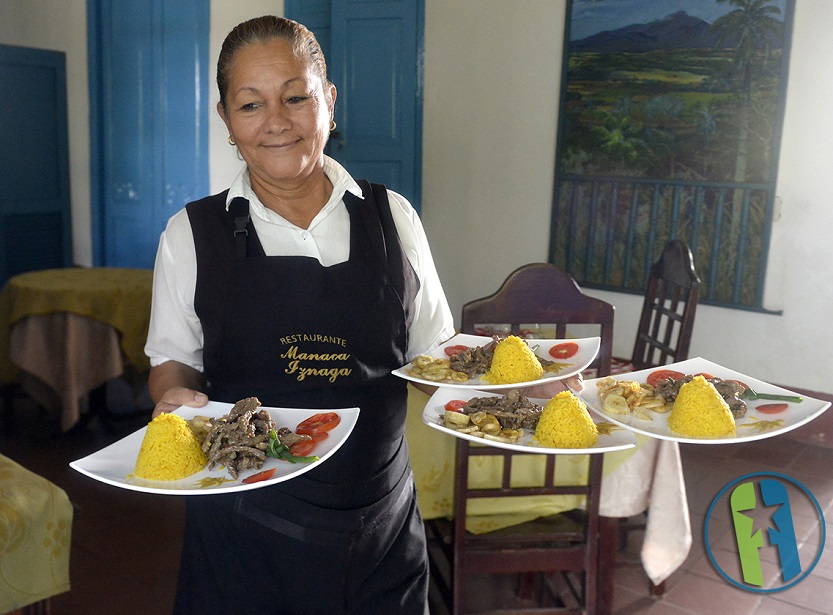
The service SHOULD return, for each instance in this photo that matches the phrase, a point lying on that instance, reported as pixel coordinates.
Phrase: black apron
(347, 536)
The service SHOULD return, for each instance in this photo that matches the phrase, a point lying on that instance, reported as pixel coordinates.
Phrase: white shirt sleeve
(175, 331)
(433, 322)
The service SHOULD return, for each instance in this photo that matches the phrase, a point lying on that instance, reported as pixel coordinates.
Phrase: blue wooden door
(149, 97)
(373, 48)
(35, 227)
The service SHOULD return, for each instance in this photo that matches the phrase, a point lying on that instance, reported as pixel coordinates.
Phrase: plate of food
(220, 448)
(510, 420)
(494, 363)
(698, 401)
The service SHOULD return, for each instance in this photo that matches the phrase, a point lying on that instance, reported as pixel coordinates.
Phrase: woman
(297, 260)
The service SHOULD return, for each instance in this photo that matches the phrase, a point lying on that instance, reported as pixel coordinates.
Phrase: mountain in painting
(676, 31)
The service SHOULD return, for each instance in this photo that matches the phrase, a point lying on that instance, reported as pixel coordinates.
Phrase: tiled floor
(125, 545)
(805, 455)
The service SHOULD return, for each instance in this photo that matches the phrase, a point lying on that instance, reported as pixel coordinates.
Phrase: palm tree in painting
(749, 27)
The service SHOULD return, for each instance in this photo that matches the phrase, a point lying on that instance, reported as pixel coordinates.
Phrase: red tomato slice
(317, 423)
(256, 478)
(771, 408)
(455, 405)
(317, 437)
(663, 374)
(302, 448)
(740, 384)
(450, 351)
(564, 350)
(706, 375)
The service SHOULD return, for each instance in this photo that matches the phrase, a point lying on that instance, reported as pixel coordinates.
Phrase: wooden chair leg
(608, 537)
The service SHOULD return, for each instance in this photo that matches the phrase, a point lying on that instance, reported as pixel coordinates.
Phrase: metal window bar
(607, 231)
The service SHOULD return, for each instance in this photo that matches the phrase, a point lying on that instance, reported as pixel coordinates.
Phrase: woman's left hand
(547, 390)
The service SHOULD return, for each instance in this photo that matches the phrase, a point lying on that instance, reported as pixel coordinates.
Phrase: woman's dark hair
(262, 30)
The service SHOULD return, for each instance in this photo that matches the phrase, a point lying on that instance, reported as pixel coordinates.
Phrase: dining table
(649, 473)
(35, 530)
(66, 332)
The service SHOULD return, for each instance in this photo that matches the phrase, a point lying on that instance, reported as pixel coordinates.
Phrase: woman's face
(277, 113)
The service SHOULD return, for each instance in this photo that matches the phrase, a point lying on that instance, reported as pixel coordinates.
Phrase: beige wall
(492, 71)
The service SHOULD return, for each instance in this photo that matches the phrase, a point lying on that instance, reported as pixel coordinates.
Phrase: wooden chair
(557, 558)
(664, 332)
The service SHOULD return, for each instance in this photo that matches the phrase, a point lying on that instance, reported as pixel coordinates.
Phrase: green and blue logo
(760, 510)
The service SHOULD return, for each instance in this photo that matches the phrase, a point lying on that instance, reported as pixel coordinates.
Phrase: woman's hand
(550, 389)
(173, 384)
(179, 396)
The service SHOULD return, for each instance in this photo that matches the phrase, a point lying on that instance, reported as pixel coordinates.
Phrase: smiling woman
(295, 218)
(277, 111)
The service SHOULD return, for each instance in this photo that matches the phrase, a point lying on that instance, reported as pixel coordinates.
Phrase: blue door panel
(149, 92)
(376, 77)
(130, 111)
(186, 107)
(35, 225)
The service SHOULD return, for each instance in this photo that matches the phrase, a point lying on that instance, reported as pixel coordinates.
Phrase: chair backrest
(540, 293)
(664, 332)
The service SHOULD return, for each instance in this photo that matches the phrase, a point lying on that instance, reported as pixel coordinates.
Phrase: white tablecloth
(652, 479)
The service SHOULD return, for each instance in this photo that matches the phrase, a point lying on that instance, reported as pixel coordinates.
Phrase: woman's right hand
(179, 396)
(173, 384)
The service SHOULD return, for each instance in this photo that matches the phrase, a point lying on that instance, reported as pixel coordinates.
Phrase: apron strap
(389, 251)
(239, 208)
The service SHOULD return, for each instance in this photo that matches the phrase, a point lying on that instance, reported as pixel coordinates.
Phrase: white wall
(492, 79)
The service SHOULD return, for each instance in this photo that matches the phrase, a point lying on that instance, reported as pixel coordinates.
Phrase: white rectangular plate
(588, 347)
(755, 425)
(113, 463)
(614, 439)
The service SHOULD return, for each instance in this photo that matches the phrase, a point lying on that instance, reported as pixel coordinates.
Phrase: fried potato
(629, 397)
(482, 425)
(435, 370)
(616, 404)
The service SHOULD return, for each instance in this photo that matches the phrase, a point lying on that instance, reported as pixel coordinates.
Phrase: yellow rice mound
(170, 450)
(566, 423)
(513, 362)
(700, 412)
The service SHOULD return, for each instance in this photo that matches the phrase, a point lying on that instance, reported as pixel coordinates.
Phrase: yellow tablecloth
(651, 473)
(35, 530)
(65, 332)
(115, 296)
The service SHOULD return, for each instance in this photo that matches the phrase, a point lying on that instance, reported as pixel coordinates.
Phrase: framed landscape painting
(670, 122)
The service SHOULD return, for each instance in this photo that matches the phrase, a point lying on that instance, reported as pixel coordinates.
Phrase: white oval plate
(113, 463)
(588, 347)
(618, 438)
(750, 427)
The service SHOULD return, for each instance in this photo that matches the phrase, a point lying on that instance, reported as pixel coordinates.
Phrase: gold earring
(231, 141)
(333, 126)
